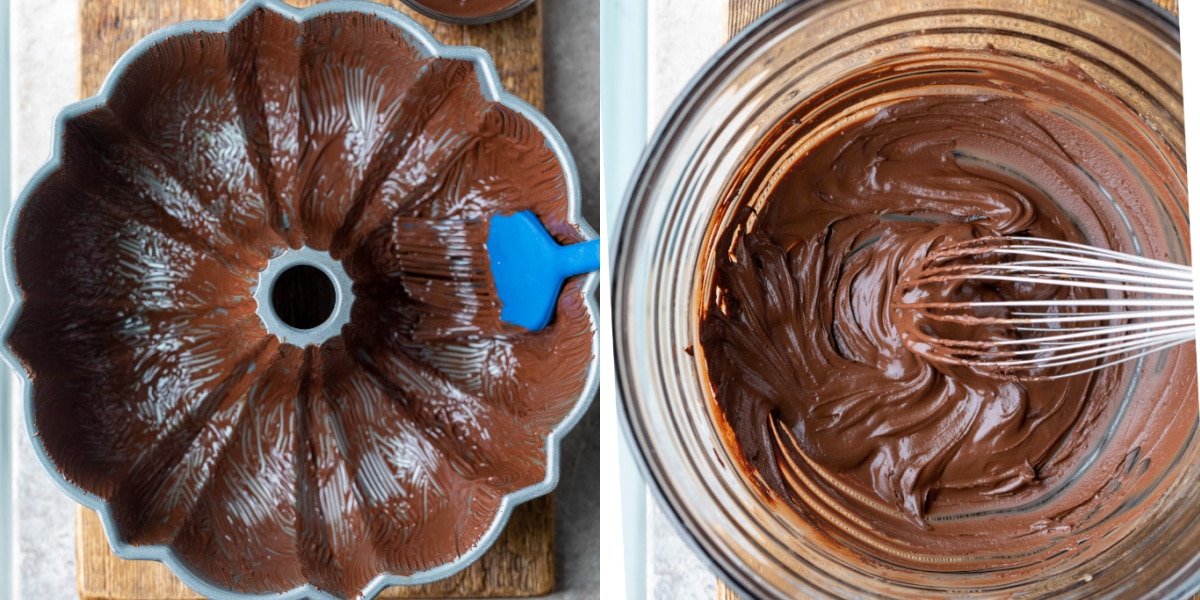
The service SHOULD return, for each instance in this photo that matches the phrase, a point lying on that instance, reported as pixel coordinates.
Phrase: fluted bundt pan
(254, 451)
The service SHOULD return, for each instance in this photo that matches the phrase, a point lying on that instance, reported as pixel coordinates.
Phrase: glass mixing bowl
(681, 198)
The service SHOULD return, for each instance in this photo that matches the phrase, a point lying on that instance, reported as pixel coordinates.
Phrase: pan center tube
(304, 297)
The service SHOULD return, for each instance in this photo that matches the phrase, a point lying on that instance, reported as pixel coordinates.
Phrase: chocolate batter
(468, 9)
(265, 466)
(813, 363)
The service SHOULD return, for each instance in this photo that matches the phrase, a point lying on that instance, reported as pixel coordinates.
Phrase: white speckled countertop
(44, 78)
(682, 36)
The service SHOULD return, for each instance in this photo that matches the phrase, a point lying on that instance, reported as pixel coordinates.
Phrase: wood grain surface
(744, 12)
(741, 13)
(521, 563)
(724, 593)
(109, 27)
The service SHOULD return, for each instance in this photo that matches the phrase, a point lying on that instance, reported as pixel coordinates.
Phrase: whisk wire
(1075, 283)
(1031, 318)
(1042, 347)
(1061, 249)
(1088, 355)
(1109, 359)
(1101, 264)
(1068, 335)
(1138, 306)
(1066, 273)
(1161, 302)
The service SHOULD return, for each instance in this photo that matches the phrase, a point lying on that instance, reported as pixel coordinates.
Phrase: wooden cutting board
(741, 13)
(521, 563)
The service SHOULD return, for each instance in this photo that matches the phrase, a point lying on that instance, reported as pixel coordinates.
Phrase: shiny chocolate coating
(811, 361)
(262, 465)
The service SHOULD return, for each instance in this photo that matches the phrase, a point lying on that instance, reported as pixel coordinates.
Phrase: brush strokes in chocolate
(814, 366)
(265, 466)
(467, 9)
(447, 277)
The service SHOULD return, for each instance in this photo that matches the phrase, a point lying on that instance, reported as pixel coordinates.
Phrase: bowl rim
(492, 89)
(627, 216)
(499, 15)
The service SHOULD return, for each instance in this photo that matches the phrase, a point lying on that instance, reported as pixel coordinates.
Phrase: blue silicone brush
(528, 267)
(483, 276)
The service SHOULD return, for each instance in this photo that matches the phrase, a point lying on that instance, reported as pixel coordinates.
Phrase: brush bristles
(444, 267)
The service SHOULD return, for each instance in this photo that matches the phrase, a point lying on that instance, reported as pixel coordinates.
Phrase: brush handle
(574, 259)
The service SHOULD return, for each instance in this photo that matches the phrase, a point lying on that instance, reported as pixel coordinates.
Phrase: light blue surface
(491, 88)
(7, 443)
(528, 267)
(623, 54)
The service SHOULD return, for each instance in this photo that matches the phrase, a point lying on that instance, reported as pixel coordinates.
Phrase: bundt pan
(253, 454)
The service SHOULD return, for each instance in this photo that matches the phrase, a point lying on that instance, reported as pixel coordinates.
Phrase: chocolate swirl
(813, 365)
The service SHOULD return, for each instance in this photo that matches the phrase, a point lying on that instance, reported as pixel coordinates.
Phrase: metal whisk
(1051, 308)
